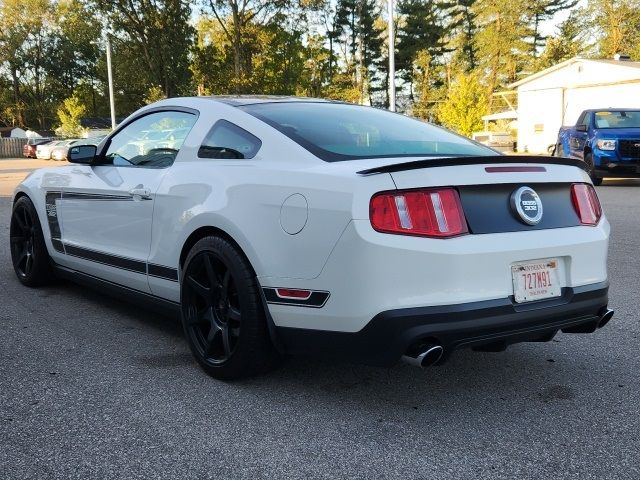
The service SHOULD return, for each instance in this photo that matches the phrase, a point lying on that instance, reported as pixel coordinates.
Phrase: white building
(556, 96)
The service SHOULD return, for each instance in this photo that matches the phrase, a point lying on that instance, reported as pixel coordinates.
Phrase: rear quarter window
(229, 141)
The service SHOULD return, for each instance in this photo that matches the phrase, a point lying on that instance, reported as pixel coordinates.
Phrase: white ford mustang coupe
(297, 226)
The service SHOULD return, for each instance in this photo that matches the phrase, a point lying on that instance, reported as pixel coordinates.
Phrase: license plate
(535, 280)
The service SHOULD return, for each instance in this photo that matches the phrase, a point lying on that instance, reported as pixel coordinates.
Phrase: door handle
(142, 193)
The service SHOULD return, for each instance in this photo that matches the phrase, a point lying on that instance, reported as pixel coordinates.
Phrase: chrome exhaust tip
(605, 317)
(428, 356)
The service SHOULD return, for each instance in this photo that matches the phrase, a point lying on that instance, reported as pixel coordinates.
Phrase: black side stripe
(107, 259)
(316, 300)
(96, 196)
(161, 271)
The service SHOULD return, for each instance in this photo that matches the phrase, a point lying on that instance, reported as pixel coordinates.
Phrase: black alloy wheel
(213, 314)
(28, 251)
(223, 314)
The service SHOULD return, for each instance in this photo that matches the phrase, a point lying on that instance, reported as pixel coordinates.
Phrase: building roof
(571, 61)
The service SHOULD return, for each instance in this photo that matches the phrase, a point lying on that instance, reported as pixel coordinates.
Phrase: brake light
(585, 202)
(427, 213)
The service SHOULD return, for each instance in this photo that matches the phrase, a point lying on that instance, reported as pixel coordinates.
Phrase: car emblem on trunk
(526, 203)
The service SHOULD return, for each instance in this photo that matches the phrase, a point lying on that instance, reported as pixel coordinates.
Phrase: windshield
(337, 131)
(619, 119)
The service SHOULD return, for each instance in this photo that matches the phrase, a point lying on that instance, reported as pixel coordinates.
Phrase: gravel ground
(94, 388)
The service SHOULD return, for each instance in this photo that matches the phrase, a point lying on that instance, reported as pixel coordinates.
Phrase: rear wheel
(222, 312)
(591, 169)
(29, 253)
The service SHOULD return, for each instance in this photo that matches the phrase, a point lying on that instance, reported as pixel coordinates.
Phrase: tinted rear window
(336, 131)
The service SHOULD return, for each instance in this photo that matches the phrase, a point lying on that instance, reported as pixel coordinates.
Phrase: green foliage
(70, 113)
(568, 43)
(464, 106)
(154, 94)
(615, 24)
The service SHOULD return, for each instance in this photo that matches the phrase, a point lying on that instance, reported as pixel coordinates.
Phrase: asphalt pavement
(91, 387)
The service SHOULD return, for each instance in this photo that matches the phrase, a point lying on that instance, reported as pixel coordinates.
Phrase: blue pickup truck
(607, 140)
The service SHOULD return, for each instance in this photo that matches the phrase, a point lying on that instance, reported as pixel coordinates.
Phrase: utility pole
(392, 61)
(112, 104)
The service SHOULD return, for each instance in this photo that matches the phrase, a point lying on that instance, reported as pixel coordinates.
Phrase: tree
(24, 46)
(464, 106)
(158, 36)
(69, 114)
(502, 48)
(462, 30)
(615, 25)
(568, 43)
(356, 28)
(540, 11)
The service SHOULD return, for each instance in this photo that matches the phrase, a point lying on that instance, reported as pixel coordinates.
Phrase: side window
(152, 141)
(585, 119)
(226, 140)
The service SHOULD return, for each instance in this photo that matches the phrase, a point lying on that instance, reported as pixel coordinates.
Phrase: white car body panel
(335, 248)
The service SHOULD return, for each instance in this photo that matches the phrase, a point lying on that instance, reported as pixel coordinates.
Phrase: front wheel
(591, 169)
(29, 253)
(222, 312)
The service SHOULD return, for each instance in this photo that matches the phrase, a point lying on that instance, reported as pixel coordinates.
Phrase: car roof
(613, 110)
(240, 100)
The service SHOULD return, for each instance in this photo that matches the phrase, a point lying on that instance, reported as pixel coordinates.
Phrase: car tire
(591, 169)
(223, 316)
(29, 254)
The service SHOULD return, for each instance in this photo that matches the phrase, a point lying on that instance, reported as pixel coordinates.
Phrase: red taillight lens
(428, 213)
(586, 203)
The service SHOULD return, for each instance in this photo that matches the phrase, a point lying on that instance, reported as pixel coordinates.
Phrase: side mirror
(84, 154)
(581, 128)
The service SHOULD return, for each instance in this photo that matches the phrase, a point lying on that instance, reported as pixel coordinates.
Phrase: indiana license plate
(536, 280)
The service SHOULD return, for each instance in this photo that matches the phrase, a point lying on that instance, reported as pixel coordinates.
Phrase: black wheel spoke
(198, 288)
(233, 314)
(226, 344)
(27, 264)
(211, 340)
(214, 281)
(23, 256)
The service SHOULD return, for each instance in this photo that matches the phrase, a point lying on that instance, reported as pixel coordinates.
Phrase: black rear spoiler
(489, 160)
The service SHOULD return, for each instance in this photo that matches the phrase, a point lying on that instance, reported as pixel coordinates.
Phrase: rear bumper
(491, 324)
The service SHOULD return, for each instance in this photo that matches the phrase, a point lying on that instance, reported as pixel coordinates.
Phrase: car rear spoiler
(489, 160)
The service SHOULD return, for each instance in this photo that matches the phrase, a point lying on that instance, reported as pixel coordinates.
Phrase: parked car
(29, 149)
(500, 141)
(607, 140)
(299, 226)
(43, 151)
(60, 152)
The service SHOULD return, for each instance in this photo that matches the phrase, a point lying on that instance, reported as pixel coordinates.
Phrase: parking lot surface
(91, 387)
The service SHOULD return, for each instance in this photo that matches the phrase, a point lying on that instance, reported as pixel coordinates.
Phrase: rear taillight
(427, 213)
(586, 203)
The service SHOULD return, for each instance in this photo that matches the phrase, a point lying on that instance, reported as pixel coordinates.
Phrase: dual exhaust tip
(426, 356)
(429, 354)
